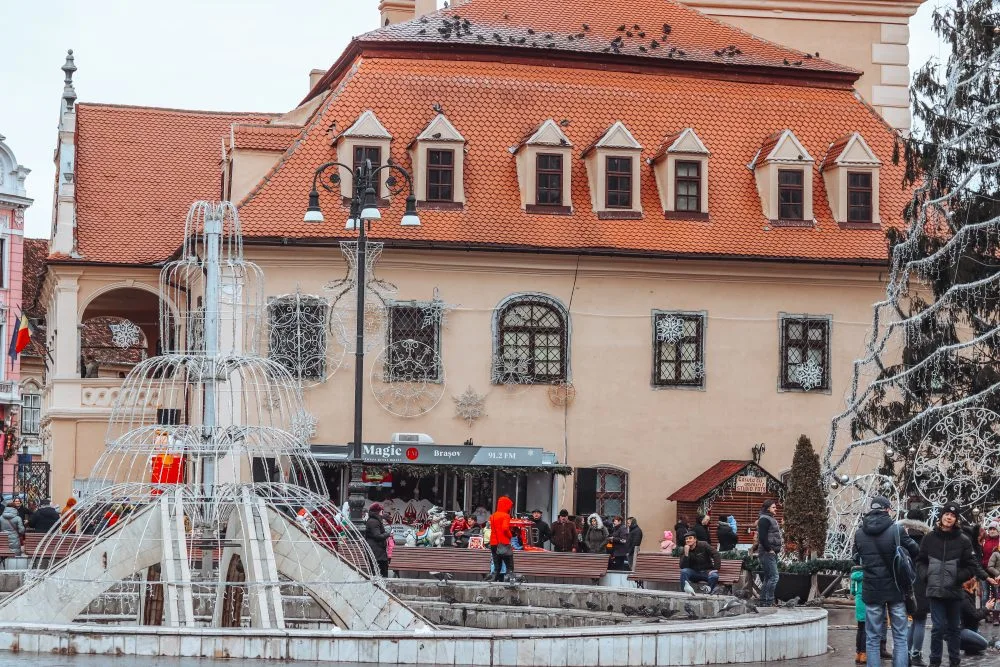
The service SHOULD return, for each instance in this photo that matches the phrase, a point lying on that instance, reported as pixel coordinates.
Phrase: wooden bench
(56, 549)
(541, 564)
(661, 568)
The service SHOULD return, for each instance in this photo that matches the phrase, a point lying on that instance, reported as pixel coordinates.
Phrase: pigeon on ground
(449, 599)
(479, 599)
(730, 604)
(742, 593)
(495, 599)
(442, 576)
(750, 607)
(688, 588)
(566, 605)
(690, 611)
(791, 603)
(592, 606)
(629, 610)
(815, 602)
(667, 612)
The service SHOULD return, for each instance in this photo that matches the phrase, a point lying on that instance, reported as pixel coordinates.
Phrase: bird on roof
(423, 19)
(564, 122)
(522, 40)
(642, 48)
(654, 44)
(621, 28)
(635, 26)
(785, 60)
(797, 63)
(422, 31)
(809, 55)
(570, 38)
(641, 34)
(530, 31)
(586, 27)
(436, 135)
(666, 28)
(497, 37)
(628, 33)
(480, 38)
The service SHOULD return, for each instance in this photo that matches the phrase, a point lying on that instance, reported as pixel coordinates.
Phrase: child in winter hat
(667, 546)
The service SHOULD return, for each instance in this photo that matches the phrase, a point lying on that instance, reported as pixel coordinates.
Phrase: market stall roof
(714, 477)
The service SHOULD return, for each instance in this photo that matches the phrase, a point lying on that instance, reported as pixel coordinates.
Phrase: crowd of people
(908, 570)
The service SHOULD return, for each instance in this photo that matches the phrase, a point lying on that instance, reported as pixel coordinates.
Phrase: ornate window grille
(31, 413)
(805, 353)
(416, 321)
(297, 335)
(533, 335)
(678, 349)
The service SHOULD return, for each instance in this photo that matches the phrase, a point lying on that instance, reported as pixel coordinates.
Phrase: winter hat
(668, 535)
(375, 508)
(993, 526)
(690, 533)
(950, 508)
(880, 503)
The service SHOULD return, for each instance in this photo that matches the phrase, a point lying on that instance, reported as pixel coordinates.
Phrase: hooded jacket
(731, 520)
(989, 546)
(993, 567)
(916, 530)
(596, 538)
(668, 545)
(14, 527)
(727, 536)
(43, 519)
(500, 522)
(875, 551)
(376, 536)
(701, 530)
(946, 560)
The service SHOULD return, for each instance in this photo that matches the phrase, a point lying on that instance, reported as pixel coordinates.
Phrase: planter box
(793, 585)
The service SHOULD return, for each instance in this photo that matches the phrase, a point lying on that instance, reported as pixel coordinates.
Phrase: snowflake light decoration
(669, 329)
(470, 406)
(562, 393)
(125, 334)
(951, 458)
(508, 370)
(304, 425)
(435, 311)
(809, 375)
(407, 378)
(848, 503)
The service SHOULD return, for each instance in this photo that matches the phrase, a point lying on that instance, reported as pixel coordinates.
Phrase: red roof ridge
(193, 112)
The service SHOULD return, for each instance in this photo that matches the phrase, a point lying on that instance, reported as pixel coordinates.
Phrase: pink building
(13, 203)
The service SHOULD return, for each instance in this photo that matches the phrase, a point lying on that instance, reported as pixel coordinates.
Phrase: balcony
(10, 392)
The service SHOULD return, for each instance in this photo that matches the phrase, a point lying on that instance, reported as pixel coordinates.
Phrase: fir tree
(805, 502)
(932, 403)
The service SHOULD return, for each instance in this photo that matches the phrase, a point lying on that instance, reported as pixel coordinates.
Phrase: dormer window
(441, 175)
(850, 173)
(790, 194)
(366, 139)
(782, 168)
(438, 155)
(619, 181)
(612, 168)
(548, 179)
(681, 170)
(543, 172)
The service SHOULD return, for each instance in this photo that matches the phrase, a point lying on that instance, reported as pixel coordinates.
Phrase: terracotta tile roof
(703, 484)
(263, 137)
(652, 31)
(138, 169)
(34, 253)
(494, 105)
(836, 148)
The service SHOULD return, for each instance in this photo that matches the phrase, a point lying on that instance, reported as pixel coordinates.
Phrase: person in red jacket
(500, 547)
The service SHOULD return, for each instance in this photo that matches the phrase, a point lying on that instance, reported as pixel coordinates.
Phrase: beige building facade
(698, 279)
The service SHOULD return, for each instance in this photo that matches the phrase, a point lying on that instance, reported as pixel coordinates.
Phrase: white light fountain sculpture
(210, 509)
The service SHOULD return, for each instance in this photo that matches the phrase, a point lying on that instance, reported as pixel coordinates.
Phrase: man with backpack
(885, 552)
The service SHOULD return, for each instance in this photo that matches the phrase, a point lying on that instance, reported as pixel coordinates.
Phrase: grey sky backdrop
(227, 55)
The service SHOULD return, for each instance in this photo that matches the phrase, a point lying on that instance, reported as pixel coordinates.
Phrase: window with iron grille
(440, 175)
(548, 179)
(687, 186)
(362, 153)
(601, 490)
(805, 353)
(413, 321)
(297, 335)
(678, 349)
(532, 341)
(790, 194)
(619, 182)
(31, 413)
(859, 196)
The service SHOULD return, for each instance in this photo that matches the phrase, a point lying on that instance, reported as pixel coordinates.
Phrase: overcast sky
(228, 55)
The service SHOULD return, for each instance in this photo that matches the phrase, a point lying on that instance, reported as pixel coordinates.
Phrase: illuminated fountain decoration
(209, 509)
(848, 501)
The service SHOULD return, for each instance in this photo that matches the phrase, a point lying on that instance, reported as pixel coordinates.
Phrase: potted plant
(806, 515)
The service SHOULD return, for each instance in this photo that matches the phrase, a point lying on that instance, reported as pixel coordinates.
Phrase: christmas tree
(924, 404)
(805, 502)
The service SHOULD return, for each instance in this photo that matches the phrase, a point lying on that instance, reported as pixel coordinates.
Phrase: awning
(391, 455)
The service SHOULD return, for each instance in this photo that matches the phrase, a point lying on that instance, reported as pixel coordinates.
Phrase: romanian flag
(20, 339)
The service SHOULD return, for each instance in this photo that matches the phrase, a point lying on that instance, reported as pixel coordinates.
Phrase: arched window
(532, 341)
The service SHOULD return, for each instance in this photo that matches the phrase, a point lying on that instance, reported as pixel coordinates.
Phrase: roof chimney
(314, 76)
(396, 11)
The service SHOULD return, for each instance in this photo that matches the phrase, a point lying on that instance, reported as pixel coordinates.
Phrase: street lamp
(363, 211)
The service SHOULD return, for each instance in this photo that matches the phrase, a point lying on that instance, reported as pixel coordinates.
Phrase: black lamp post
(363, 211)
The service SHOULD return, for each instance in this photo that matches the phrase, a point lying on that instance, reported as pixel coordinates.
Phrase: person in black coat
(43, 518)
(544, 533)
(727, 538)
(700, 562)
(634, 537)
(376, 536)
(971, 641)
(875, 550)
(619, 541)
(701, 528)
(946, 560)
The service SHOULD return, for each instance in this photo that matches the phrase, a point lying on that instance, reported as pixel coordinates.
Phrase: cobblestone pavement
(841, 639)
